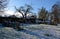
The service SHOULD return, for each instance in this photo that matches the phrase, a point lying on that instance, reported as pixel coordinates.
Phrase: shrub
(47, 34)
(15, 25)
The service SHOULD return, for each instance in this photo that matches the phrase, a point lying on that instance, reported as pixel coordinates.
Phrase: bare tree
(56, 13)
(3, 4)
(24, 10)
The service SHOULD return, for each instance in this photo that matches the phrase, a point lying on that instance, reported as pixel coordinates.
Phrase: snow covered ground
(31, 31)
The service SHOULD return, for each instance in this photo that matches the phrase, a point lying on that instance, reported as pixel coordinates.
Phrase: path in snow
(48, 28)
(35, 34)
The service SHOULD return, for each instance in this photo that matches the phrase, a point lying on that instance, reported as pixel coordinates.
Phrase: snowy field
(31, 31)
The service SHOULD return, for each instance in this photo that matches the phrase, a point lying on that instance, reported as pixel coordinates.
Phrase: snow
(41, 29)
(10, 33)
(31, 31)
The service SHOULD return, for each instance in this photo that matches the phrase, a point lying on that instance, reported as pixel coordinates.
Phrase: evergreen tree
(43, 14)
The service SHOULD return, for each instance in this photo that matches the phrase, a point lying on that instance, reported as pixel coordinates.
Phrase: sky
(36, 4)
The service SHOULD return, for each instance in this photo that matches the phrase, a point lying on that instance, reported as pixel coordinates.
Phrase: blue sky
(34, 3)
